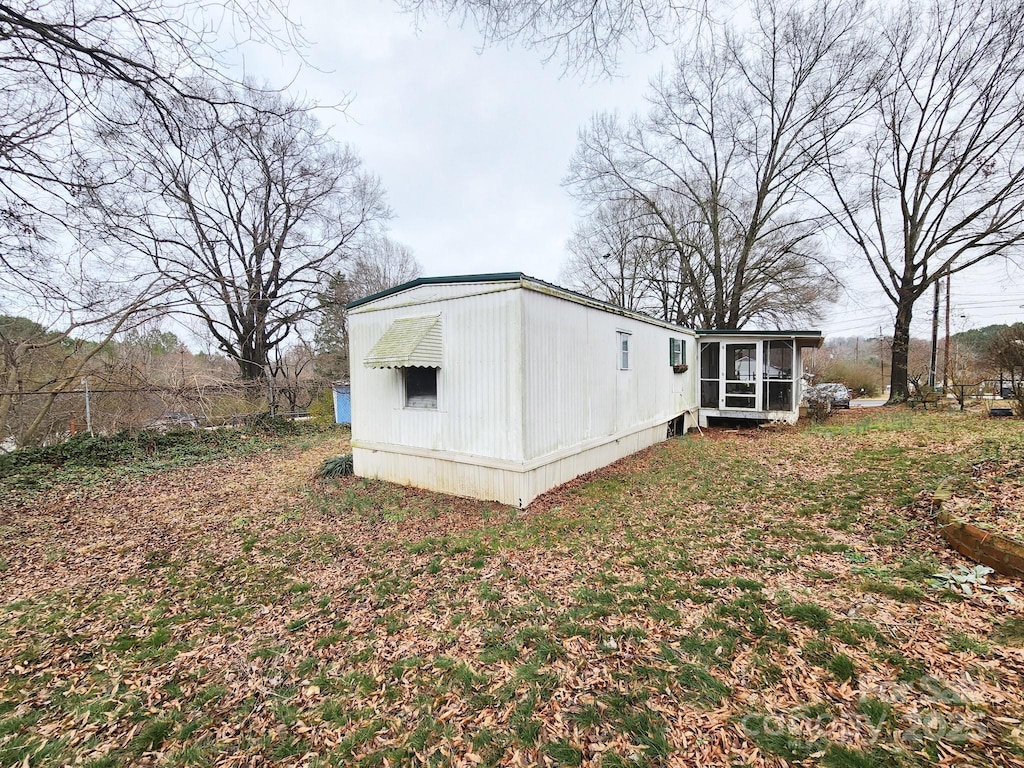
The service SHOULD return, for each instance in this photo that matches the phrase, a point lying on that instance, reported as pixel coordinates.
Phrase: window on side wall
(676, 351)
(420, 387)
(623, 337)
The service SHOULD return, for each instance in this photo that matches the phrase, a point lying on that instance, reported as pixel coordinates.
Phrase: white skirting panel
(510, 483)
(789, 417)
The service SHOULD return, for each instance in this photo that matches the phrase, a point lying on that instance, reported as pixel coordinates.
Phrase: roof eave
(804, 338)
(493, 277)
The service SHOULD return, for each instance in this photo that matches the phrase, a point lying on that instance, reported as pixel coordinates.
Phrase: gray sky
(472, 146)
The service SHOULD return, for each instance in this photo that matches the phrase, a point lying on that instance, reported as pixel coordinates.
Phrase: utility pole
(881, 355)
(945, 357)
(935, 336)
(88, 408)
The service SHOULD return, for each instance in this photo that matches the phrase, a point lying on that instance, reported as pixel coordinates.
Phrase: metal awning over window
(410, 342)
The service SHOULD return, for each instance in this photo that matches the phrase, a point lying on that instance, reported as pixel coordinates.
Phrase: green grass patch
(775, 738)
(961, 642)
(1010, 632)
(903, 593)
(563, 753)
(808, 613)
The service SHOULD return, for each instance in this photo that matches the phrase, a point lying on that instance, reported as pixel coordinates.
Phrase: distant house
(502, 386)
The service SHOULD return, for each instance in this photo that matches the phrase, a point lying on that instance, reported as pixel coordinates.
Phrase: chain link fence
(41, 417)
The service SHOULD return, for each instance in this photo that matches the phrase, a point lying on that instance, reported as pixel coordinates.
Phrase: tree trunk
(898, 391)
(251, 368)
(255, 356)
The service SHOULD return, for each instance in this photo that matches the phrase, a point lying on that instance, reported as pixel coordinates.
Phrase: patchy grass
(737, 598)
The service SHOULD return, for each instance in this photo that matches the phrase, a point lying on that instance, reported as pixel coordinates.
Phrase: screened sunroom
(755, 376)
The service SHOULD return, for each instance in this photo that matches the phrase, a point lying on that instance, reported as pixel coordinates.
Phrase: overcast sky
(472, 147)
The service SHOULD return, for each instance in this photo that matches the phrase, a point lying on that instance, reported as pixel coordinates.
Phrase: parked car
(837, 394)
(174, 420)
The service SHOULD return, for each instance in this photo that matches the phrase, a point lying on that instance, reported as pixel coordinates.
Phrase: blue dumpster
(343, 404)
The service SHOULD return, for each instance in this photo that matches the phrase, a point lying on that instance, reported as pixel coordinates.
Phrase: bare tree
(64, 63)
(608, 260)
(721, 166)
(586, 34)
(937, 184)
(68, 69)
(1004, 351)
(380, 264)
(615, 255)
(243, 211)
(295, 384)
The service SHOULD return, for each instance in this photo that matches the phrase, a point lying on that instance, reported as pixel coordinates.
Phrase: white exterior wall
(582, 412)
(573, 389)
(479, 411)
(529, 393)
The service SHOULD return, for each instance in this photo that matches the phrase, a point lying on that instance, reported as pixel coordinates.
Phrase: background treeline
(150, 379)
(991, 353)
(55, 384)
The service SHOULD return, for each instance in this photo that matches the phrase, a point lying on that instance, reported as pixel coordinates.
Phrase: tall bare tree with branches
(586, 35)
(610, 257)
(717, 174)
(935, 183)
(243, 210)
(70, 69)
(65, 63)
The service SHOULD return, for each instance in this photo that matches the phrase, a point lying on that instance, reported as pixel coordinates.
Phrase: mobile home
(503, 386)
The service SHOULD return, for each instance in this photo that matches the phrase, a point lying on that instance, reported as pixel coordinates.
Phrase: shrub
(862, 380)
(322, 408)
(819, 406)
(338, 466)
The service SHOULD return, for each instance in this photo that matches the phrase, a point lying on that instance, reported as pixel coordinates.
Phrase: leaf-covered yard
(734, 598)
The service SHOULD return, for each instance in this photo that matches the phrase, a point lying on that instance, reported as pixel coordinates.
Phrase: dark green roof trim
(492, 277)
(741, 332)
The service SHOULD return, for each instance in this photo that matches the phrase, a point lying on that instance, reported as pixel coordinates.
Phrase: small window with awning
(420, 387)
(409, 342)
